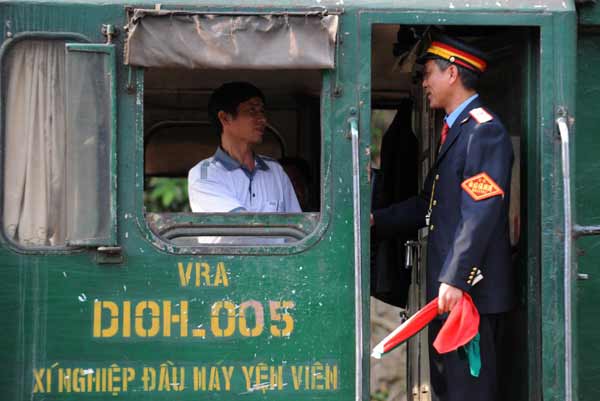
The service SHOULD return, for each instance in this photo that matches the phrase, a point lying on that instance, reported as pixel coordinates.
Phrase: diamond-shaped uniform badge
(481, 186)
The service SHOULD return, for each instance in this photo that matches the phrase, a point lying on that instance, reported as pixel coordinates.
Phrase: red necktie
(445, 129)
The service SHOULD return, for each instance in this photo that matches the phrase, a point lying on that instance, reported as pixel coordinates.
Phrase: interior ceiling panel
(387, 77)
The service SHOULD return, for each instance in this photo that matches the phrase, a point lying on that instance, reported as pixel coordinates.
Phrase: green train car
(106, 296)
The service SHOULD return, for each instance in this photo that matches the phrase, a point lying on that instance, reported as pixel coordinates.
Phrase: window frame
(251, 220)
(5, 50)
(108, 50)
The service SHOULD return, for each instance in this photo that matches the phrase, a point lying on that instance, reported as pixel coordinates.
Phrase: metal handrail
(174, 232)
(563, 130)
(358, 322)
(582, 231)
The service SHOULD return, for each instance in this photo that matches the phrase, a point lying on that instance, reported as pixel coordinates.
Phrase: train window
(58, 134)
(180, 134)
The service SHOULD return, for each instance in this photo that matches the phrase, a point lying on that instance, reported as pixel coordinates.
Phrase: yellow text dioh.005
(163, 319)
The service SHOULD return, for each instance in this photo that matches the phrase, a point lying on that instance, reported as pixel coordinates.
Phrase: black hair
(469, 78)
(405, 109)
(227, 98)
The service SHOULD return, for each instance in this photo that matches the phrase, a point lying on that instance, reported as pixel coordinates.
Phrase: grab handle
(563, 129)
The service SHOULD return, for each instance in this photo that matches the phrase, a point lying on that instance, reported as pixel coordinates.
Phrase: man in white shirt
(236, 179)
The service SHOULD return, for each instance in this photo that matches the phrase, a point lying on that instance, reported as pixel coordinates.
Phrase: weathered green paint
(530, 263)
(558, 63)
(588, 13)
(47, 298)
(587, 181)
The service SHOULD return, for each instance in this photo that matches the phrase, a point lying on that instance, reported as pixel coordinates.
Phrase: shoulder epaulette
(481, 115)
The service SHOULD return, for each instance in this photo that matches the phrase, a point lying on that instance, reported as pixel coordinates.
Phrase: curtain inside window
(34, 161)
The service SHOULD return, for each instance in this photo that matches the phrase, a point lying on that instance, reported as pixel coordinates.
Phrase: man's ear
(223, 117)
(453, 74)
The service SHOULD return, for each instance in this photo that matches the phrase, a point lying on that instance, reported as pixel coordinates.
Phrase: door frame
(548, 327)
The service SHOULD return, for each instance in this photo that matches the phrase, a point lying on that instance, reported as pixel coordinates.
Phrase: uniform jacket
(467, 238)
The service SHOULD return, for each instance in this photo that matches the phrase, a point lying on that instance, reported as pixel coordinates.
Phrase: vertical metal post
(358, 324)
(563, 129)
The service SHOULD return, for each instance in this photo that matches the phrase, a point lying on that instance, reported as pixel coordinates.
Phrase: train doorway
(404, 142)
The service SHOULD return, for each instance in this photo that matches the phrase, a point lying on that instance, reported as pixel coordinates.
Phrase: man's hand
(448, 297)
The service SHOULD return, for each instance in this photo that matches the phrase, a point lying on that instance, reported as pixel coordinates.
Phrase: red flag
(460, 327)
(406, 330)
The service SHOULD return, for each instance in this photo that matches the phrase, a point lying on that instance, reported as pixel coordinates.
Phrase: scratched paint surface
(168, 325)
(587, 186)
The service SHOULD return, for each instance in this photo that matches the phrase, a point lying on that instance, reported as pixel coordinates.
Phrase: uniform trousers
(450, 375)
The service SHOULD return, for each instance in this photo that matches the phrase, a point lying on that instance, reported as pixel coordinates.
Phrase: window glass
(90, 130)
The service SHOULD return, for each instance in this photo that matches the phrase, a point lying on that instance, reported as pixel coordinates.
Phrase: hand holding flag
(461, 326)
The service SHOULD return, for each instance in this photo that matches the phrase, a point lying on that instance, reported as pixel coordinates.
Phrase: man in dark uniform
(396, 181)
(465, 206)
